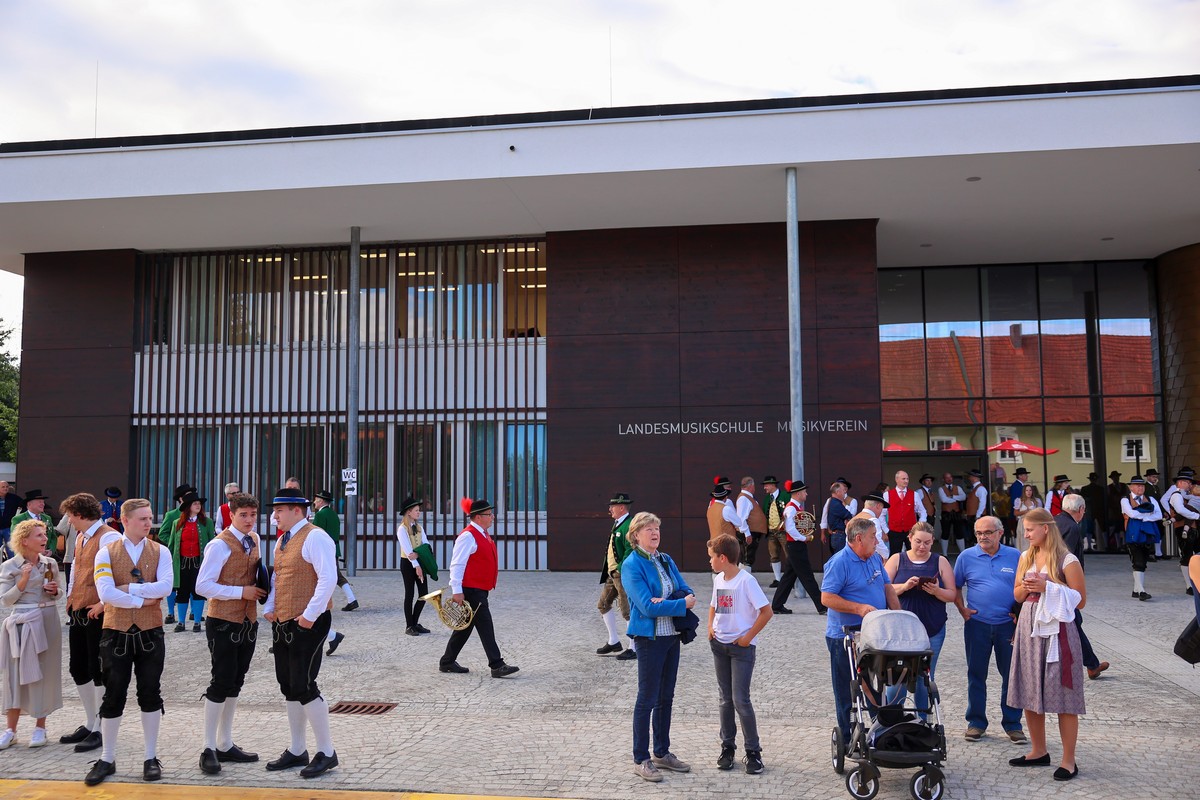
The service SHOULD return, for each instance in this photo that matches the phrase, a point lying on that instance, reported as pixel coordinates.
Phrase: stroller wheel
(860, 786)
(838, 747)
(922, 787)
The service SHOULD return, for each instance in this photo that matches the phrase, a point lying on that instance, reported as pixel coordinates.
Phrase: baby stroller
(891, 649)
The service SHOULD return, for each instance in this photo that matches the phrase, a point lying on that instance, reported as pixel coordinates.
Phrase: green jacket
(171, 539)
(781, 500)
(327, 520)
(51, 531)
(618, 541)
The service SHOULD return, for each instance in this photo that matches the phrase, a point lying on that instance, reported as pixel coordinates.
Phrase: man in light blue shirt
(854, 585)
(988, 571)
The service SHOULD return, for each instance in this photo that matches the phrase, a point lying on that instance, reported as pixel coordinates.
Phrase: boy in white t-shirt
(738, 611)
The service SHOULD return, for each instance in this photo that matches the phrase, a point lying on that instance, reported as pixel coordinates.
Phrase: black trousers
(897, 541)
(756, 538)
(185, 592)
(125, 655)
(1139, 553)
(953, 526)
(298, 657)
(231, 645)
(798, 568)
(1085, 644)
(482, 623)
(83, 640)
(413, 587)
(1187, 538)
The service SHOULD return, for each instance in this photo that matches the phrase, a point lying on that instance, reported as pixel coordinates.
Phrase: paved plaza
(562, 726)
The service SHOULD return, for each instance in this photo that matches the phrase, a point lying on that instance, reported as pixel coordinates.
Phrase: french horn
(455, 616)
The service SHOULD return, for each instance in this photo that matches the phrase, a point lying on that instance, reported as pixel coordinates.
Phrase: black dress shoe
(782, 610)
(1135, 595)
(1141, 596)
(1191, 592)
(773, 585)
(79, 735)
(320, 763)
(237, 755)
(89, 742)
(609, 648)
(287, 760)
(1061, 774)
(337, 640)
(504, 670)
(628, 655)
(152, 770)
(454, 667)
(1022, 761)
(823, 611)
(411, 631)
(352, 606)
(209, 763)
(99, 771)
(421, 628)
(169, 620)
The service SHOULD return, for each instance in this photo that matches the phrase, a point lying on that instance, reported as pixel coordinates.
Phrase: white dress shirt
(133, 597)
(789, 523)
(981, 494)
(105, 541)
(1146, 516)
(1181, 508)
(406, 548)
(881, 543)
(319, 551)
(745, 504)
(959, 495)
(215, 556)
(464, 548)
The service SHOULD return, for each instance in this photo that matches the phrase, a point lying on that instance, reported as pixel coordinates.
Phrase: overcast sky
(78, 68)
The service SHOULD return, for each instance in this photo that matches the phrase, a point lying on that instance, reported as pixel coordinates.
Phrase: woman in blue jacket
(649, 578)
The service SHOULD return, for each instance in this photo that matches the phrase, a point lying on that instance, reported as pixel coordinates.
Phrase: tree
(10, 393)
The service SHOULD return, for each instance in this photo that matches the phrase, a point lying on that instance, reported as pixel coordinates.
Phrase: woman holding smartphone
(924, 581)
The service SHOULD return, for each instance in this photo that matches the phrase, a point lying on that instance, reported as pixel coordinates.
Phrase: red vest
(483, 567)
(1055, 503)
(902, 514)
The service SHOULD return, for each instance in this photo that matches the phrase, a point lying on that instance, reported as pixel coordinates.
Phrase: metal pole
(793, 268)
(352, 343)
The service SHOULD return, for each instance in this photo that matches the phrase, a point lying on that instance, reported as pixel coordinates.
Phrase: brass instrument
(806, 524)
(455, 616)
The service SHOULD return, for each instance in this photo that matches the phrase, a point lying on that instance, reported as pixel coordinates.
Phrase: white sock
(318, 719)
(150, 724)
(329, 637)
(1139, 581)
(89, 695)
(348, 592)
(295, 713)
(610, 622)
(633, 644)
(1187, 581)
(212, 718)
(958, 543)
(778, 570)
(1158, 550)
(108, 730)
(225, 732)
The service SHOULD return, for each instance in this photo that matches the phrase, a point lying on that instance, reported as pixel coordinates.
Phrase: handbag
(1187, 646)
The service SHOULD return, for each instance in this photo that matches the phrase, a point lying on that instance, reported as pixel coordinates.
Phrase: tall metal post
(352, 345)
(793, 268)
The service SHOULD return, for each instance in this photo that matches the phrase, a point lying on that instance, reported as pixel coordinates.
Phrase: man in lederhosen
(721, 515)
(754, 521)
(474, 568)
(85, 612)
(133, 575)
(799, 567)
(298, 609)
(611, 590)
(773, 503)
(229, 578)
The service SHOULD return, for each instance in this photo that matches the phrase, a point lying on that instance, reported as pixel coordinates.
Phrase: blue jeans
(982, 640)
(839, 668)
(836, 541)
(658, 666)
(896, 694)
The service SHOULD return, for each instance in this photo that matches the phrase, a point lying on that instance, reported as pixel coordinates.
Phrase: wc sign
(350, 478)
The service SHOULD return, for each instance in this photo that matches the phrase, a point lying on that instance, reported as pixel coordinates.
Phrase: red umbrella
(956, 446)
(1014, 446)
(895, 448)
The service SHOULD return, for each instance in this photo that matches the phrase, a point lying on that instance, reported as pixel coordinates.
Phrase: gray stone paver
(561, 727)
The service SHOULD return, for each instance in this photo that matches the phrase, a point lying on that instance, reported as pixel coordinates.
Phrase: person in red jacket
(904, 510)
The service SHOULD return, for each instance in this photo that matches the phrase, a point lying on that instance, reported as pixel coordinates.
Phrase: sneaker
(7, 738)
(670, 761)
(725, 760)
(753, 762)
(39, 738)
(647, 771)
(973, 734)
(1017, 736)
(411, 631)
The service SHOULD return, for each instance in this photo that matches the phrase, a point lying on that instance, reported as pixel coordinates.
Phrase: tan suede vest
(149, 616)
(239, 570)
(83, 591)
(757, 520)
(972, 502)
(717, 524)
(295, 578)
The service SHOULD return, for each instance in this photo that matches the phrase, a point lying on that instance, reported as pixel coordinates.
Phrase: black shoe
(782, 610)
(99, 771)
(421, 628)
(320, 763)
(351, 606)
(609, 648)
(79, 735)
(1021, 761)
(287, 760)
(628, 655)
(237, 755)
(89, 742)
(1061, 774)
(725, 760)
(753, 761)
(504, 670)
(822, 611)
(1153, 559)
(454, 667)
(337, 640)
(181, 627)
(151, 770)
(1134, 595)
(209, 763)
(1141, 596)
(196, 628)
(773, 585)
(169, 620)
(1190, 591)
(411, 631)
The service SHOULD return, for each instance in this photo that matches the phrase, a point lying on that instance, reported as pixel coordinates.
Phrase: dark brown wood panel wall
(76, 372)
(688, 326)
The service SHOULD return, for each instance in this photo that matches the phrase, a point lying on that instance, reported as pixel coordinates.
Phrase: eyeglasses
(989, 532)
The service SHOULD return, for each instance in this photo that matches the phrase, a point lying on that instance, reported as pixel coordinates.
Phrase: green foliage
(10, 391)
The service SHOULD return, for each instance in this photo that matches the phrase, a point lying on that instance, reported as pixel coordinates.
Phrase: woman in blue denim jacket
(649, 577)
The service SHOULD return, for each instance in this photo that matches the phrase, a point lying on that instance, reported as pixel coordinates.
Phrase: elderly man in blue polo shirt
(988, 572)
(853, 586)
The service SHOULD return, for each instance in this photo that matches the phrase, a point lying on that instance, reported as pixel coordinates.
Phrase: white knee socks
(108, 730)
(1139, 582)
(318, 719)
(348, 591)
(90, 695)
(778, 570)
(150, 725)
(225, 732)
(212, 719)
(610, 622)
(295, 713)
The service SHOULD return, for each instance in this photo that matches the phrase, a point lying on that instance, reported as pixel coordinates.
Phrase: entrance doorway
(936, 463)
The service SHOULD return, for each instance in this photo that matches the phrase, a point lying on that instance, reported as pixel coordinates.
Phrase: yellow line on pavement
(77, 790)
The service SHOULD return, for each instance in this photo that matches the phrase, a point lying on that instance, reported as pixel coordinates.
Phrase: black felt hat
(1021, 471)
(324, 495)
(181, 490)
(1182, 477)
(770, 479)
(876, 498)
(1114, 474)
(472, 507)
(409, 502)
(35, 494)
(290, 497)
(974, 473)
(791, 487)
(1137, 480)
(843, 481)
(720, 487)
(620, 499)
(1064, 479)
(113, 492)
(191, 497)
(926, 477)
(1152, 472)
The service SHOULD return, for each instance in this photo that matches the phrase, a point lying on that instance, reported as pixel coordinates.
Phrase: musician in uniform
(722, 515)
(229, 578)
(978, 504)
(110, 507)
(903, 512)
(611, 590)
(1054, 498)
(797, 549)
(474, 568)
(754, 521)
(1186, 523)
(773, 504)
(1142, 517)
(926, 497)
(298, 608)
(1154, 492)
(164, 530)
(85, 614)
(133, 574)
(950, 500)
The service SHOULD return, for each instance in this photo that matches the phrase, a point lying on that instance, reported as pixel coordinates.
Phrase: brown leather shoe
(1095, 673)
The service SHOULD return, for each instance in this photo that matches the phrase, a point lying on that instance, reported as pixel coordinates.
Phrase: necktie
(283, 542)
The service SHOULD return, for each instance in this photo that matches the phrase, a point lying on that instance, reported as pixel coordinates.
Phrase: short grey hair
(859, 526)
(232, 487)
(1072, 503)
(747, 481)
(993, 523)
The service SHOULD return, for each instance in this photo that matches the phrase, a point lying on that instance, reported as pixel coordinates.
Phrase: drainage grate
(362, 709)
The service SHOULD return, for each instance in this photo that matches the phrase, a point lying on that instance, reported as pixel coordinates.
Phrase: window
(1134, 449)
(1081, 448)
(525, 467)
(941, 442)
(1007, 456)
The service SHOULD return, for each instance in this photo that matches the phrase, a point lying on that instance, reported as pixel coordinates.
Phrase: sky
(82, 68)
